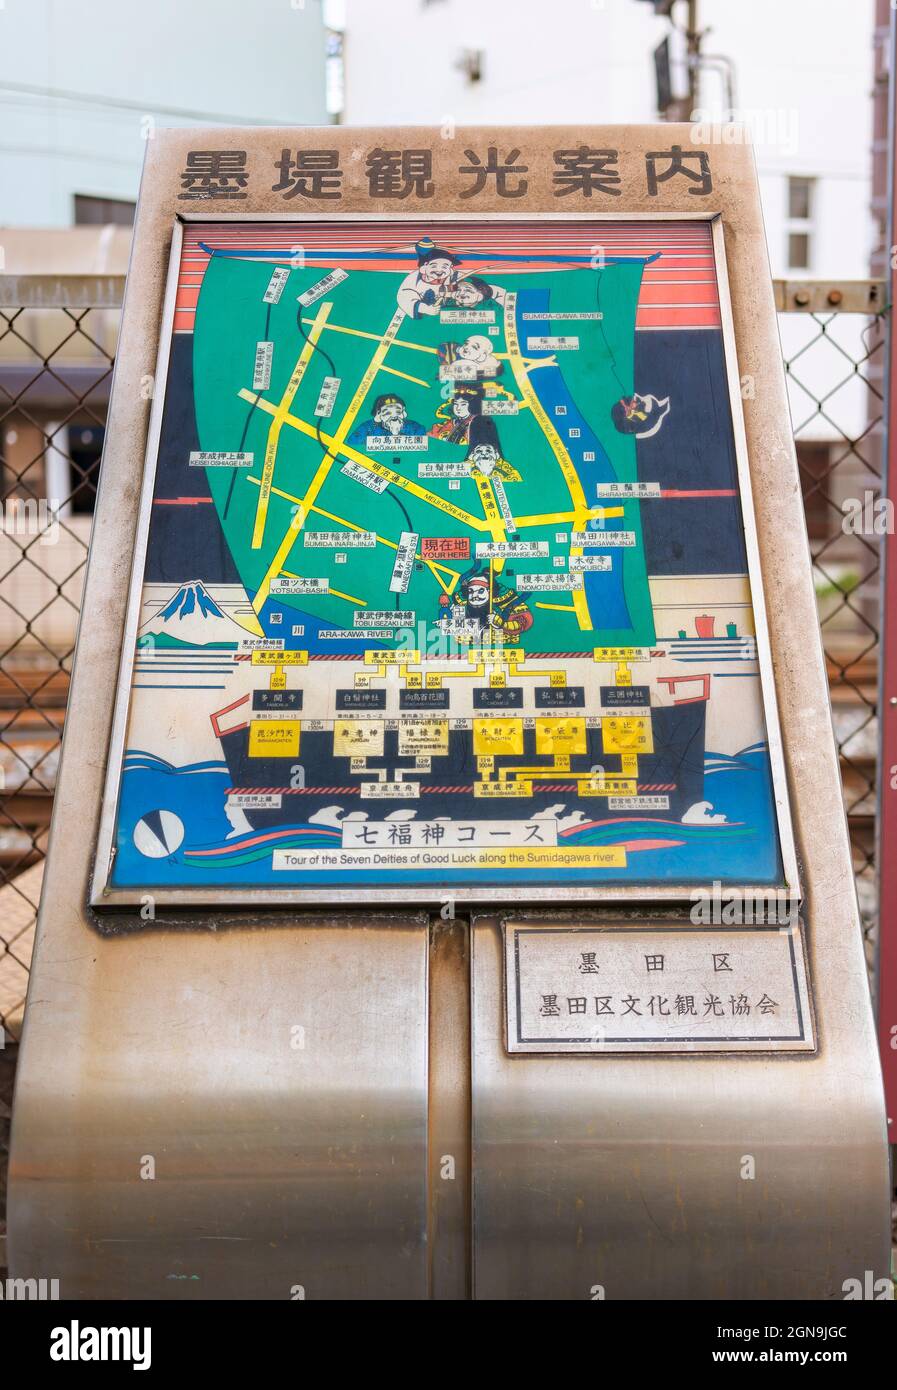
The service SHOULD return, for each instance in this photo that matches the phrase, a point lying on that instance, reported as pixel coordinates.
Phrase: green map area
(296, 485)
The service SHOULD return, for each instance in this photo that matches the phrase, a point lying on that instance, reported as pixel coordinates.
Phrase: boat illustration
(296, 789)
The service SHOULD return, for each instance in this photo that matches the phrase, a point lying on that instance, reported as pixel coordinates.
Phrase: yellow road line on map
(380, 469)
(549, 518)
(520, 668)
(280, 414)
(375, 337)
(492, 513)
(337, 593)
(434, 570)
(353, 526)
(334, 444)
(432, 565)
(571, 477)
(406, 376)
(610, 780)
(557, 607)
(531, 363)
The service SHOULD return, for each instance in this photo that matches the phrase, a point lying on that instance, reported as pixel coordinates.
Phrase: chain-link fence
(57, 339)
(833, 341)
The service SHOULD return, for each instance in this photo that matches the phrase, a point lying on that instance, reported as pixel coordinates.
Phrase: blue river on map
(737, 787)
(603, 588)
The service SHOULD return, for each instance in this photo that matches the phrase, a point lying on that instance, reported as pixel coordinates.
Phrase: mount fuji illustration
(191, 618)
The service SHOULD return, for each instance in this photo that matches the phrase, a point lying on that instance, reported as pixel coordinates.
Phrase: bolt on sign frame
(448, 555)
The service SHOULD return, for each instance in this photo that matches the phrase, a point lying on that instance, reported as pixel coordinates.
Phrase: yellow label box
(280, 658)
(499, 789)
(493, 736)
(358, 738)
(430, 736)
(629, 733)
(597, 786)
(620, 653)
(274, 738)
(478, 655)
(564, 736)
(391, 658)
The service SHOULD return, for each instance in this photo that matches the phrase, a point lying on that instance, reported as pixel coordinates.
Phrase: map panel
(446, 578)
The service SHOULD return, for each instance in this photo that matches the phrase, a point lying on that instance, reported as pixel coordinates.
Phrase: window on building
(801, 198)
(335, 75)
(99, 212)
(85, 449)
(814, 462)
(798, 251)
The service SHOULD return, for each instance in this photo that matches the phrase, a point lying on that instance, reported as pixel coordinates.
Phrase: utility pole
(670, 107)
(693, 49)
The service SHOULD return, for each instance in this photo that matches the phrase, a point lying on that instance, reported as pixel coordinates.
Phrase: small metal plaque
(660, 988)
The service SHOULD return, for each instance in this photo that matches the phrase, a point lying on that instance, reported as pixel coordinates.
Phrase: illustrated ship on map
(674, 770)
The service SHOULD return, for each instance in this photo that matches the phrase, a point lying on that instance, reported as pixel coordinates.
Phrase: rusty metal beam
(831, 296)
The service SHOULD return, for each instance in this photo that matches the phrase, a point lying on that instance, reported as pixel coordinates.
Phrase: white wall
(259, 61)
(805, 66)
(546, 60)
(804, 72)
(803, 84)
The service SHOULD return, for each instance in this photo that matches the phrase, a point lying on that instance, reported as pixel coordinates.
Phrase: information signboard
(436, 536)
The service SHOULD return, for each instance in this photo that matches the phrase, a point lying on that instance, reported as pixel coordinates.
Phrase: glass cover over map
(446, 573)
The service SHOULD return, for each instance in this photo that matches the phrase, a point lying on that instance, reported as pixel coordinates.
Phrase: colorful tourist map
(446, 580)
